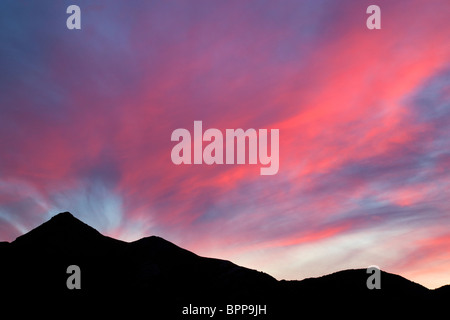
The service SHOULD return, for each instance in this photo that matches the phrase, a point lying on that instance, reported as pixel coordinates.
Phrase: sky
(86, 118)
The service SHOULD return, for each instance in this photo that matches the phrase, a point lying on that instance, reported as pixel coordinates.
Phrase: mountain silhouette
(156, 277)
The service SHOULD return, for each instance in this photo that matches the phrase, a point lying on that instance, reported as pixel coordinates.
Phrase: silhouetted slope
(355, 281)
(155, 276)
(38, 260)
(158, 261)
(347, 290)
(148, 269)
(67, 234)
(442, 293)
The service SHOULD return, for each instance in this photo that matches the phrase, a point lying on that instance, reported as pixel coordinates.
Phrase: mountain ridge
(154, 269)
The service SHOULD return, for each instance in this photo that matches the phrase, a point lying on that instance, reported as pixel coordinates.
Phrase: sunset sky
(86, 118)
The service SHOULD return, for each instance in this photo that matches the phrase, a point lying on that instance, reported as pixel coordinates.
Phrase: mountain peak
(63, 227)
(64, 215)
(67, 219)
